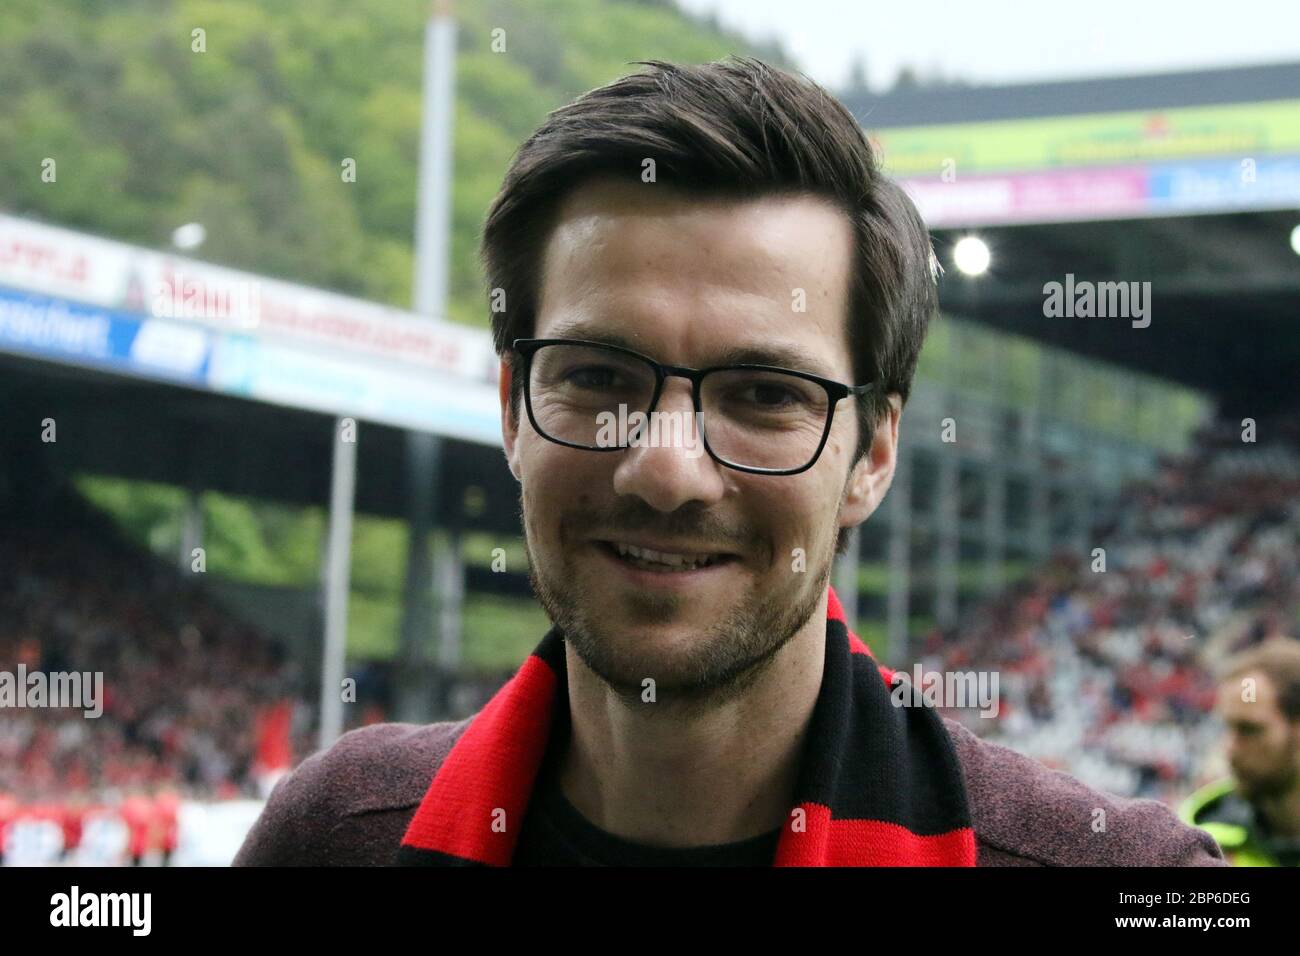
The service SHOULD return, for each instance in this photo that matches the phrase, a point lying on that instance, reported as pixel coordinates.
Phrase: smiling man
(711, 254)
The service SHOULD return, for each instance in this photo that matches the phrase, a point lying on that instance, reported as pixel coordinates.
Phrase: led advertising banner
(80, 300)
(58, 331)
(1100, 166)
(55, 330)
(70, 265)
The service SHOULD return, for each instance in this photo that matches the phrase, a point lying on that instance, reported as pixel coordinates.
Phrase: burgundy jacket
(350, 805)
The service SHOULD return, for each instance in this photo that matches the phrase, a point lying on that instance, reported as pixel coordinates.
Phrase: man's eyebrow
(781, 354)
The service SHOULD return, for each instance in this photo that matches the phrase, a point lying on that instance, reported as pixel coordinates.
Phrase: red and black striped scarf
(879, 784)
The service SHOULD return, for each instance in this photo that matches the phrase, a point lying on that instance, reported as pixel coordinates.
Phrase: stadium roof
(144, 430)
(965, 104)
(1211, 238)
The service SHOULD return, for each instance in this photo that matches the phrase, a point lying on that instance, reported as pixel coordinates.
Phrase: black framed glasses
(754, 418)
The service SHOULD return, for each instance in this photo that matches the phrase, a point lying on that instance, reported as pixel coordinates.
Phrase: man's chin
(675, 671)
(703, 652)
(626, 666)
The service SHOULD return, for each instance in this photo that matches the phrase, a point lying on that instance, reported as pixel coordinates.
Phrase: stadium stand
(1106, 674)
(194, 702)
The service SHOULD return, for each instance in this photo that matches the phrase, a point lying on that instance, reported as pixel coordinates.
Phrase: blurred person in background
(72, 820)
(137, 814)
(1255, 814)
(167, 807)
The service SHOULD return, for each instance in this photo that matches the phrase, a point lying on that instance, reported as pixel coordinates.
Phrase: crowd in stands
(188, 692)
(1106, 674)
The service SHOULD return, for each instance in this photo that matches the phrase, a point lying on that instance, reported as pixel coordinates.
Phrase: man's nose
(668, 465)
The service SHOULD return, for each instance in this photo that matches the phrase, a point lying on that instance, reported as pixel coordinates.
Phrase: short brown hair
(734, 127)
(1277, 659)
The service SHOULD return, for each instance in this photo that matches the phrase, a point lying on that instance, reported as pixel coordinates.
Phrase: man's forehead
(610, 196)
(780, 227)
(1260, 701)
(761, 280)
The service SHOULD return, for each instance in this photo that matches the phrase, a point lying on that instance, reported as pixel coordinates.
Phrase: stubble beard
(1271, 787)
(719, 665)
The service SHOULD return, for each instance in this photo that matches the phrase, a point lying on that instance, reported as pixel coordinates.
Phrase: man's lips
(649, 576)
(666, 553)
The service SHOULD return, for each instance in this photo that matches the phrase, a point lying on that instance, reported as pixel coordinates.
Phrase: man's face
(1263, 748)
(685, 280)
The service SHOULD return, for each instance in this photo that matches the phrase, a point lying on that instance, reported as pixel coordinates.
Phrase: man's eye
(770, 396)
(592, 376)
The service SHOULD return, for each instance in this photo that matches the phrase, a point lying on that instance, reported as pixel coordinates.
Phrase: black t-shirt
(556, 834)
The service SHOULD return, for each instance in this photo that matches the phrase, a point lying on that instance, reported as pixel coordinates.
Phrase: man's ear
(872, 476)
(509, 424)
